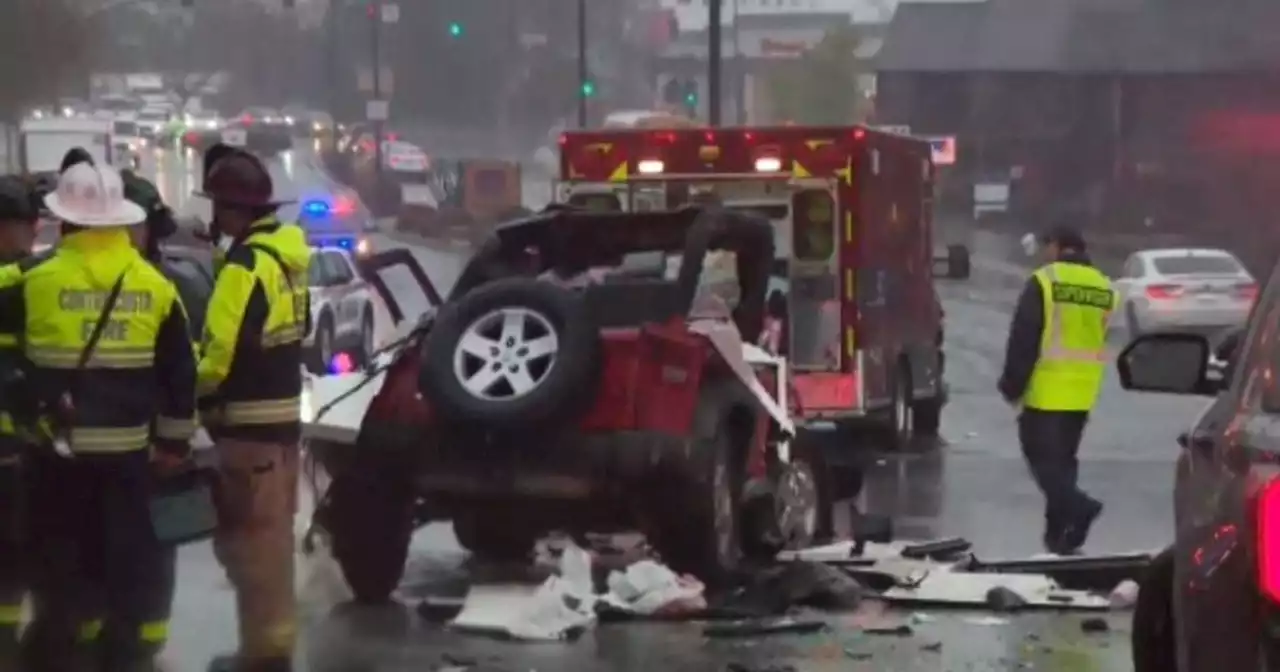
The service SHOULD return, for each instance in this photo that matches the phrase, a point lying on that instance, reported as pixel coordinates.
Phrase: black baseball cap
(1064, 236)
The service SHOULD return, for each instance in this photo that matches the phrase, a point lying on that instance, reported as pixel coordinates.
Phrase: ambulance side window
(813, 225)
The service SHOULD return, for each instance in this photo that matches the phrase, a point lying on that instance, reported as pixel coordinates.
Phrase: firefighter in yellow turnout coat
(106, 341)
(250, 387)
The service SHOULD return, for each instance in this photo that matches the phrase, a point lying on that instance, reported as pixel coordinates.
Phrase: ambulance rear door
(896, 302)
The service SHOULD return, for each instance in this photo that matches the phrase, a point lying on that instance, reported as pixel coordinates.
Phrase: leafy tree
(43, 53)
(821, 86)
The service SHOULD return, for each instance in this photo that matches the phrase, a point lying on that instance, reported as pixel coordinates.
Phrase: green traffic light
(691, 98)
(588, 89)
(455, 29)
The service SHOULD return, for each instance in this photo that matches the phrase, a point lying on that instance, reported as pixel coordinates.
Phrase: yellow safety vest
(249, 375)
(1077, 304)
(142, 371)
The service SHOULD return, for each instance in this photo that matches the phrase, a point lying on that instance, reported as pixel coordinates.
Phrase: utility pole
(714, 59)
(583, 76)
(739, 69)
(331, 58)
(375, 41)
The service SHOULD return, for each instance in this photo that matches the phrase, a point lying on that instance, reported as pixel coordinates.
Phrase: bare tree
(822, 86)
(42, 54)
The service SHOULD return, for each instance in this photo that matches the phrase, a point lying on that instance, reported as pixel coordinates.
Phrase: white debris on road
(566, 603)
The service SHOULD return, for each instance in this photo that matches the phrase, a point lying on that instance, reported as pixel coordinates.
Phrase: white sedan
(1185, 287)
(342, 313)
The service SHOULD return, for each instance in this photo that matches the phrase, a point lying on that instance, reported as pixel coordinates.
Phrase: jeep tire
(369, 515)
(698, 523)
(561, 389)
(774, 522)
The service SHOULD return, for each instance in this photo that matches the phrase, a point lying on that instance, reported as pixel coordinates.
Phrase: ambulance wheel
(1153, 637)
(369, 515)
(901, 409)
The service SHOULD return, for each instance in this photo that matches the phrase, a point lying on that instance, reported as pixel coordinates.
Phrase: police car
(342, 316)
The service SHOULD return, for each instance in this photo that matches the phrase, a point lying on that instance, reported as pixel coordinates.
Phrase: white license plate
(236, 137)
(417, 194)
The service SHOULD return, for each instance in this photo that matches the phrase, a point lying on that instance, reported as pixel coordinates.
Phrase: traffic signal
(691, 94)
(455, 29)
(588, 89)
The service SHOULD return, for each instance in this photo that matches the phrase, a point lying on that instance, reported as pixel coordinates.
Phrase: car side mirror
(953, 264)
(1172, 363)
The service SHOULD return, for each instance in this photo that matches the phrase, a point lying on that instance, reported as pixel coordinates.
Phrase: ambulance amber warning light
(650, 167)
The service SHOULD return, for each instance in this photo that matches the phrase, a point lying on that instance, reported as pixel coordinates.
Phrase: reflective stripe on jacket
(1077, 304)
(143, 368)
(250, 380)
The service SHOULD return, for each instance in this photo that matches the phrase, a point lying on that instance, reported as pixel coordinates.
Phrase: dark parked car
(1211, 601)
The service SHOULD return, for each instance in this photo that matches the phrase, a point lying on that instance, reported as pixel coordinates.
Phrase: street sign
(894, 129)
(386, 83)
(529, 40)
(944, 149)
(390, 13)
(377, 110)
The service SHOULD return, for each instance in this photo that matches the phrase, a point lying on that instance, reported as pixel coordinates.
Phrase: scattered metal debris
(762, 626)
(1095, 626)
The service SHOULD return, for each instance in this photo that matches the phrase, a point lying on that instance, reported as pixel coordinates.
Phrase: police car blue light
(316, 208)
(331, 243)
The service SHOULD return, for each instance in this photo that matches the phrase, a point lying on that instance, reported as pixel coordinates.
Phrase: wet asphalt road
(976, 486)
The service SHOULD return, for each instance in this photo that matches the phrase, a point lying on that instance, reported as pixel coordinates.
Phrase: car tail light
(1158, 292)
(1268, 546)
(1247, 290)
(248, 119)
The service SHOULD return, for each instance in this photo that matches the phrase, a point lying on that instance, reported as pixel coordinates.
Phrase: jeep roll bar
(565, 237)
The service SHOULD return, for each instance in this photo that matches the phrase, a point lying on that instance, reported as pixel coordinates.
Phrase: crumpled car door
(375, 270)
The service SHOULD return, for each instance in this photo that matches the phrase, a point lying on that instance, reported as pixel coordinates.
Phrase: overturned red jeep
(581, 377)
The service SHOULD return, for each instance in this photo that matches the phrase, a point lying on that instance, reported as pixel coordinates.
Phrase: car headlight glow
(362, 247)
(289, 120)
